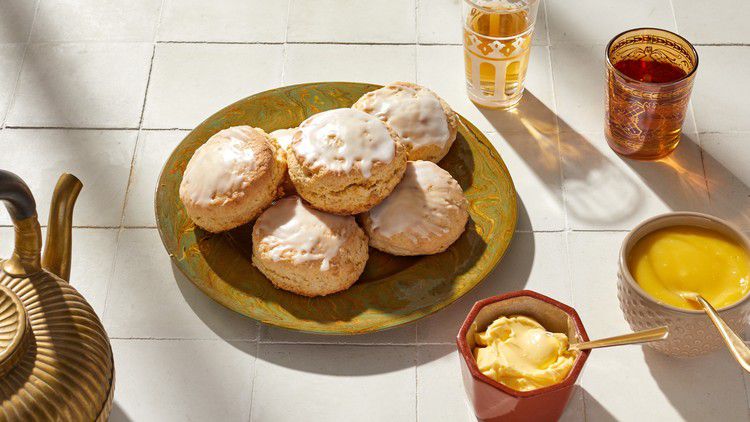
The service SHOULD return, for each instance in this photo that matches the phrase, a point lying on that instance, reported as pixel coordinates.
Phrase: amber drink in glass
(497, 41)
(650, 74)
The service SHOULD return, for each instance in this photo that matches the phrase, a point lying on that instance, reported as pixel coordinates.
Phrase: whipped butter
(219, 167)
(520, 353)
(416, 115)
(293, 230)
(341, 138)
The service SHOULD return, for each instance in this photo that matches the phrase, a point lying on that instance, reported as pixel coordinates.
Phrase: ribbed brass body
(66, 371)
(55, 358)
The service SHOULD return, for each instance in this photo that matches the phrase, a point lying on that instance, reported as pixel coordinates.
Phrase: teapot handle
(28, 240)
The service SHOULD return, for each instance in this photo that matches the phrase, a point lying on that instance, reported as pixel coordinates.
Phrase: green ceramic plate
(392, 290)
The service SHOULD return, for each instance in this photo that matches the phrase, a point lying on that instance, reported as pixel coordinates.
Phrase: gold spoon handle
(644, 336)
(736, 346)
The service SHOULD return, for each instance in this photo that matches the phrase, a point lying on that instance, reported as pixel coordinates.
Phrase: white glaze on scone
(219, 166)
(416, 115)
(283, 137)
(340, 138)
(419, 206)
(293, 230)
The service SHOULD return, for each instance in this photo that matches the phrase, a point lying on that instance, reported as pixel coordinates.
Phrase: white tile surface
(593, 263)
(224, 20)
(606, 191)
(597, 22)
(98, 85)
(179, 380)
(728, 175)
(91, 264)
(406, 334)
(379, 64)
(154, 147)
(537, 157)
(11, 57)
(16, 18)
(149, 298)
(721, 95)
(334, 383)
(189, 82)
(700, 389)
(358, 21)
(534, 261)
(95, 20)
(534, 112)
(439, 22)
(723, 24)
(440, 390)
(580, 86)
(99, 158)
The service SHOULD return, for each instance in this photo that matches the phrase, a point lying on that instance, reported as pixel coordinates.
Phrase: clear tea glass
(497, 41)
(650, 75)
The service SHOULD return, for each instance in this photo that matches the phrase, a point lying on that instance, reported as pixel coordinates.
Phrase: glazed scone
(232, 178)
(424, 215)
(345, 161)
(307, 251)
(282, 138)
(426, 124)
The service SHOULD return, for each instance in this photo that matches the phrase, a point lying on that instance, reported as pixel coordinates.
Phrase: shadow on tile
(596, 190)
(709, 387)
(522, 215)
(595, 409)
(677, 179)
(729, 195)
(223, 322)
(118, 415)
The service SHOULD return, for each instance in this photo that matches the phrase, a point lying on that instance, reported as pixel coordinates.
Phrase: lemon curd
(679, 259)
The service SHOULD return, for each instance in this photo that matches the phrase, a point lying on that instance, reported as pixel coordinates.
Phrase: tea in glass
(497, 41)
(650, 75)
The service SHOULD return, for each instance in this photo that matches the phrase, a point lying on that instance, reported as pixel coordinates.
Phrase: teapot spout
(57, 248)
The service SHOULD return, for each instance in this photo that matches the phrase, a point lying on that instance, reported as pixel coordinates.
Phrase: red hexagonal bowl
(493, 401)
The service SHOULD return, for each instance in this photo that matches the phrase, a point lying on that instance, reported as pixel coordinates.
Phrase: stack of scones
(322, 192)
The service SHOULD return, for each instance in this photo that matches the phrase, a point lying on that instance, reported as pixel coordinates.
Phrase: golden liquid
(502, 53)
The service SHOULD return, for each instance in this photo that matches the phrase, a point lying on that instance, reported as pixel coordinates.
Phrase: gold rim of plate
(392, 290)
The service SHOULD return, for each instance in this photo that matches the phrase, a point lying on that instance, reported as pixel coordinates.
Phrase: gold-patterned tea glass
(644, 119)
(497, 41)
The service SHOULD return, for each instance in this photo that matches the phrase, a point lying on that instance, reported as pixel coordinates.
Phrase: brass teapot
(55, 357)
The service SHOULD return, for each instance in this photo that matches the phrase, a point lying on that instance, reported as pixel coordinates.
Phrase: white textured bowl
(691, 333)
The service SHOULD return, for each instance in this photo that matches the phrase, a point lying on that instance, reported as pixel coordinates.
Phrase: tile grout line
(415, 69)
(26, 46)
(285, 45)
(674, 16)
(546, 27)
(566, 220)
(255, 375)
(416, 382)
(121, 228)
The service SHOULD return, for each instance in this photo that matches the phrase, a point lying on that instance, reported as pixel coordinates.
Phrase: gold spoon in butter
(736, 346)
(645, 336)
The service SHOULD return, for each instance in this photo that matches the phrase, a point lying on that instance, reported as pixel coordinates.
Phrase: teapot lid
(13, 330)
